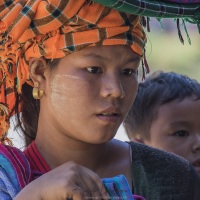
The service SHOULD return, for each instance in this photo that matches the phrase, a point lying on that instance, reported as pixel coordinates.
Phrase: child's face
(177, 130)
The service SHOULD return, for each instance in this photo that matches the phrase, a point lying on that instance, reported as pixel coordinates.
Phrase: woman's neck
(107, 160)
(57, 152)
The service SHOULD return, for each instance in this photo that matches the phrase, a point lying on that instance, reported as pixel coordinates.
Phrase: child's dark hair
(158, 89)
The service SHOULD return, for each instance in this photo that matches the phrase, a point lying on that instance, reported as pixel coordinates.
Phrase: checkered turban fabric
(158, 8)
(54, 29)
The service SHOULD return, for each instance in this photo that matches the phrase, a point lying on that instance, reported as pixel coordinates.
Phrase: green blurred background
(165, 52)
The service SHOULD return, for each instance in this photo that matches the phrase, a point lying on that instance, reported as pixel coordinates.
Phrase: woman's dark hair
(158, 89)
(30, 108)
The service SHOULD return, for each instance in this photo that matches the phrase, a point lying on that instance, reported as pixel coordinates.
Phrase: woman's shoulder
(165, 174)
(6, 149)
(14, 156)
(14, 169)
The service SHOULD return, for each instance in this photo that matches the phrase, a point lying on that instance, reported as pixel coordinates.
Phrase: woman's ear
(37, 67)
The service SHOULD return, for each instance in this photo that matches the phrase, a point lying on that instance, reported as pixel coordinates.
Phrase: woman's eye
(181, 133)
(128, 72)
(94, 70)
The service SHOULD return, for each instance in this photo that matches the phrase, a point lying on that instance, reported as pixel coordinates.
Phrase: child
(165, 115)
(81, 59)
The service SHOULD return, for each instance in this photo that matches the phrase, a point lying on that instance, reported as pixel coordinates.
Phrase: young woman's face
(90, 92)
(177, 130)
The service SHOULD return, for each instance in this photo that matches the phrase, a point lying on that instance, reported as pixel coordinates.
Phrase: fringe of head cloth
(185, 10)
(53, 29)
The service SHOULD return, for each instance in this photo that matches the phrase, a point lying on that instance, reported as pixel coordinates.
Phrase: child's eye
(128, 72)
(181, 133)
(94, 70)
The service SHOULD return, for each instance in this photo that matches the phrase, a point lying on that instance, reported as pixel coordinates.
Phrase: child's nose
(196, 146)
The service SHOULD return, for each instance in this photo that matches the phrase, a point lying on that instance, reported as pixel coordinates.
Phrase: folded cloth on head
(185, 1)
(188, 10)
(157, 8)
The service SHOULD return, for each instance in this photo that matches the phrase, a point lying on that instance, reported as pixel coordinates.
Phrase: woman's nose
(112, 87)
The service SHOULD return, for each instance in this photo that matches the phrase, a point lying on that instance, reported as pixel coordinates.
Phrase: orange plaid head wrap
(53, 29)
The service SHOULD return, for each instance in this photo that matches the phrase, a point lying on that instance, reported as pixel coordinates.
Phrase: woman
(82, 61)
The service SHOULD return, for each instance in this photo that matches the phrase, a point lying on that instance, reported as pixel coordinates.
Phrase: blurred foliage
(165, 52)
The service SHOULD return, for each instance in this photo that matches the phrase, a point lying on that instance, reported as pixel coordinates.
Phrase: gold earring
(37, 93)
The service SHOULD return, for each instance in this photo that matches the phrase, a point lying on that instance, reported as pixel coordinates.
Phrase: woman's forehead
(105, 53)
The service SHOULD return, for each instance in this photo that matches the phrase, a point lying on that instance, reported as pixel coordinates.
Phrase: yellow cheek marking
(69, 76)
(64, 94)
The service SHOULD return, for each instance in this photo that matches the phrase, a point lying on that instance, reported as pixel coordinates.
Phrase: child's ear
(37, 67)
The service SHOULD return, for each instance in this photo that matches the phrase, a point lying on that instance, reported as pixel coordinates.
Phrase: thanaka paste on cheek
(65, 93)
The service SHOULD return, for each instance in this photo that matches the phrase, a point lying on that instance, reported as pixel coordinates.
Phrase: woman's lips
(109, 117)
(110, 114)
